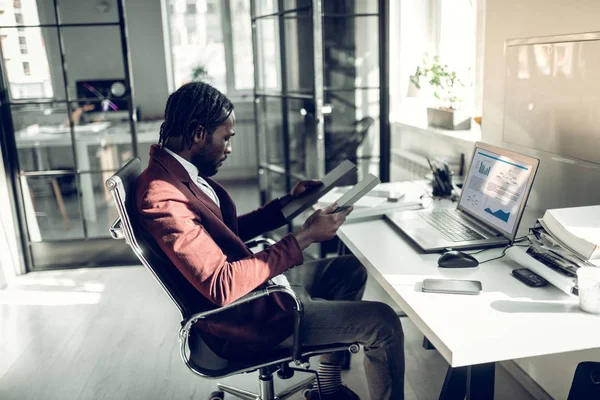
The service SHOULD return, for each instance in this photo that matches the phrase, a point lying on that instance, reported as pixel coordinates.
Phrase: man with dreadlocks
(193, 220)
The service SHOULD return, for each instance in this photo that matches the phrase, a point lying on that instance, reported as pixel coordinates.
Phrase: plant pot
(453, 120)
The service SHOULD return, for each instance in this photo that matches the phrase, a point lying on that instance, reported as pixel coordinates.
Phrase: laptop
(489, 210)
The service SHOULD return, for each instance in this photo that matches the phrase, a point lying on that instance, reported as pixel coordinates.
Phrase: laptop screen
(496, 189)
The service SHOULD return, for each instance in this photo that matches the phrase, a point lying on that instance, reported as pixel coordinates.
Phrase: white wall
(558, 184)
(144, 24)
(2, 278)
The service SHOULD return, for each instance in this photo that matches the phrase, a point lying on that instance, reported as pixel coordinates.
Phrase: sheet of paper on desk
(365, 201)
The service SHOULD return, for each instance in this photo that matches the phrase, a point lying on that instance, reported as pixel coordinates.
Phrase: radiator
(407, 166)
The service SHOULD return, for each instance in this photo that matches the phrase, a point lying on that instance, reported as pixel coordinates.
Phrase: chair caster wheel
(218, 395)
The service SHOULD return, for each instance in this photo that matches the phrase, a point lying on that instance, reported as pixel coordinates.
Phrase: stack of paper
(578, 228)
(338, 192)
(376, 202)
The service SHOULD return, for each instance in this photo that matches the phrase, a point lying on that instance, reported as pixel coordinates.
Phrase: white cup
(588, 282)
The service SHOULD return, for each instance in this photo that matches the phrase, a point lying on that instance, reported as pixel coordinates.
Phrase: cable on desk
(520, 239)
(503, 252)
(517, 240)
(480, 251)
(496, 258)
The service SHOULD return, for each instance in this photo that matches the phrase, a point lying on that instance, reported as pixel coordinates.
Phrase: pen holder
(441, 184)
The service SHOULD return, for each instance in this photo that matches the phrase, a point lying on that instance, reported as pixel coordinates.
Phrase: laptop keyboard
(449, 225)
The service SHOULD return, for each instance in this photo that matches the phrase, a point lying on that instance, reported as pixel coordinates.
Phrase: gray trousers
(334, 313)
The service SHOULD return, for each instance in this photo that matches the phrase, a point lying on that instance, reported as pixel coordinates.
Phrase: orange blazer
(206, 244)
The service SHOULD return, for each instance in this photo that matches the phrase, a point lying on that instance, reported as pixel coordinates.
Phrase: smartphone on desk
(451, 286)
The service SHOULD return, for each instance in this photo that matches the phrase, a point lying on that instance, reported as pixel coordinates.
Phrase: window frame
(434, 41)
(227, 32)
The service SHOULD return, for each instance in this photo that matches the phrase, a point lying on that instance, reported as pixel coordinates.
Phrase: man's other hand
(322, 225)
(303, 186)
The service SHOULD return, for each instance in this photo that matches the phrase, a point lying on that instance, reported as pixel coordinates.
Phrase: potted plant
(446, 85)
(200, 73)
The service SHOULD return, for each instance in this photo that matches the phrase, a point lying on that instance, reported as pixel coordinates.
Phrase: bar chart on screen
(484, 168)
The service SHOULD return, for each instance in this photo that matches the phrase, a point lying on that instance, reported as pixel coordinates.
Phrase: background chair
(343, 145)
(198, 357)
(586, 382)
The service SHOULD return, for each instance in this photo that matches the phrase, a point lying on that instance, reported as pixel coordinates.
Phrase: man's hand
(304, 186)
(321, 225)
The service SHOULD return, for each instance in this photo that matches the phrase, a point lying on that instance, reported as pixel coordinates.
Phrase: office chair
(586, 382)
(340, 146)
(196, 354)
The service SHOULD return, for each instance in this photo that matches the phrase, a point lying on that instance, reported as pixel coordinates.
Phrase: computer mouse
(457, 259)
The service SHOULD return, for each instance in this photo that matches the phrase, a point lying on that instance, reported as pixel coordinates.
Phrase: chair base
(267, 388)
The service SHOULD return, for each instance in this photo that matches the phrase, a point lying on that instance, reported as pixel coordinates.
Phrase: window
(190, 9)
(211, 40)
(457, 42)
(26, 60)
(450, 29)
(243, 59)
(212, 6)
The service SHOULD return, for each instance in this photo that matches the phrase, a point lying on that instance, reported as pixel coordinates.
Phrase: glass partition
(67, 129)
(324, 67)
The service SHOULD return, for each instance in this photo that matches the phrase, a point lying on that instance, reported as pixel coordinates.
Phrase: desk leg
(481, 382)
(85, 181)
(427, 345)
(455, 384)
(473, 383)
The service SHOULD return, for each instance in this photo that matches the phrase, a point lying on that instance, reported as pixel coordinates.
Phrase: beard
(207, 162)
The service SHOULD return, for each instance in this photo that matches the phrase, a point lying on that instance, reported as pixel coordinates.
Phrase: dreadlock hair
(192, 105)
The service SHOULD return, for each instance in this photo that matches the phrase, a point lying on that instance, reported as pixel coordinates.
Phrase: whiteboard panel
(552, 95)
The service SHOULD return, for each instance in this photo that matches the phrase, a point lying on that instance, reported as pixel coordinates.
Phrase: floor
(110, 333)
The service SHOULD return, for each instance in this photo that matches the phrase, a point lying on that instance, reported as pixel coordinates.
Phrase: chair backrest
(122, 187)
(361, 129)
(345, 144)
(202, 359)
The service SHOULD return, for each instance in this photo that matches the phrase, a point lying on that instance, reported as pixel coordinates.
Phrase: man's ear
(200, 134)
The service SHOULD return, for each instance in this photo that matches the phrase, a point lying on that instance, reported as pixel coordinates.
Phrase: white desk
(96, 134)
(507, 321)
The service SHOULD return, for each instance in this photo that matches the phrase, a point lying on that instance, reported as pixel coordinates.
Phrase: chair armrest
(256, 242)
(257, 294)
(116, 229)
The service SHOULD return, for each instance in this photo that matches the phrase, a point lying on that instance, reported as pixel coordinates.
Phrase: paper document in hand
(296, 206)
(359, 190)
(577, 227)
